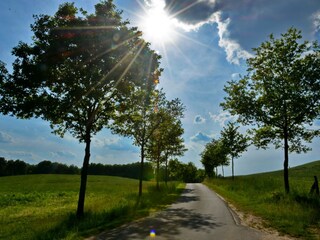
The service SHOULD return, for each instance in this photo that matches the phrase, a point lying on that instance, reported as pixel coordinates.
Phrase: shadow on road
(198, 214)
(185, 198)
(168, 223)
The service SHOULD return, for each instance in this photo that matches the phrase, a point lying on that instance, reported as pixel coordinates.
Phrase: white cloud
(316, 21)
(242, 26)
(63, 154)
(5, 138)
(104, 142)
(200, 137)
(222, 117)
(155, 3)
(233, 49)
(235, 76)
(194, 147)
(199, 120)
(114, 143)
(190, 27)
(22, 155)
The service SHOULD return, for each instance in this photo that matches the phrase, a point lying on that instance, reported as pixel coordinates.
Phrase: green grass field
(296, 214)
(44, 206)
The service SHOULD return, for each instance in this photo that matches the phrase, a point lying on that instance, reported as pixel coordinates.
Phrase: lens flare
(152, 233)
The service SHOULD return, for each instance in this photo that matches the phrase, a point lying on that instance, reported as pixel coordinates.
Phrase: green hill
(302, 171)
(263, 195)
(300, 177)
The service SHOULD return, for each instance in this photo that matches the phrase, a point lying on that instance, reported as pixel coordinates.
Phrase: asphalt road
(199, 214)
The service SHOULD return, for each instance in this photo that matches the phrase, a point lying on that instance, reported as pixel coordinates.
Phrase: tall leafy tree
(77, 68)
(175, 169)
(234, 142)
(214, 155)
(138, 120)
(167, 141)
(4, 77)
(174, 144)
(280, 94)
(189, 173)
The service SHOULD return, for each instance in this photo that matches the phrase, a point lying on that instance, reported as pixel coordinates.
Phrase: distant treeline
(19, 167)
(131, 170)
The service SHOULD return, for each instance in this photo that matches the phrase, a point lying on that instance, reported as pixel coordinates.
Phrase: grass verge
(43, 206)
(296, 214)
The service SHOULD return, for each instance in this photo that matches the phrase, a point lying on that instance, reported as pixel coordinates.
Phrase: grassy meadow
(44, 206)
(296, 214)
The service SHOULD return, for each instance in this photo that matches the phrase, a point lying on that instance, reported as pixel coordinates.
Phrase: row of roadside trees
(279, 99)
(220, 151)
(84, 72)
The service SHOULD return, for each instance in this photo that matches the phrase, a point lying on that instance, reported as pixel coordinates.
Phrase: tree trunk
(141, 170)
(84, 175)
(286, 164)
(158, 173)
(166, 171)
(232, 168)
(286, 150)
(222, 170)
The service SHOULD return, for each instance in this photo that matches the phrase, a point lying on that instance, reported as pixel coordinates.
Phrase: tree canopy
(234, 142)
(77, 68)
(279, 96)
(166, 141)
(148, 116)
(214, 155)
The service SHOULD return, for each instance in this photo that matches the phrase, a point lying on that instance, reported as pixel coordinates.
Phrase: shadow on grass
(72, 227)
(303, 199)
(94, 223)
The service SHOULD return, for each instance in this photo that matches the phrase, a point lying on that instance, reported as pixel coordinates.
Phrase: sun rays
(164, 30)
(157, 26)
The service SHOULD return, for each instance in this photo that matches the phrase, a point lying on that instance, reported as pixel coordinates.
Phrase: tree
(166, 141)
(179, 171)
(214, 155)
(280, 94)
(138, 120)
(44, 167)
(3, 166)
(77, 68)
(4, 77)
(234, 142)
(174, 143)
(189, 172)
(175, 170)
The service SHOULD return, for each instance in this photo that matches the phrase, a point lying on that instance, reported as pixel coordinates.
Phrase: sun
(157, 26)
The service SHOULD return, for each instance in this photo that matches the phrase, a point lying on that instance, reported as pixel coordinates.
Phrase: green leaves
(234, 142)
(280, 92)
(77, 68)
(214, 155)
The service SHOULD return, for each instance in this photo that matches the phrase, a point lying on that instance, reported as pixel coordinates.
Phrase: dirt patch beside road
(258, 223)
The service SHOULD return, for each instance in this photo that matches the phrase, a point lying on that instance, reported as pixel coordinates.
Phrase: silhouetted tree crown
(78, 67)
(280, 94)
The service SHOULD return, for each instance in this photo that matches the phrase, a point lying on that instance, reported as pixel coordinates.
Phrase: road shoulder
(252, 221)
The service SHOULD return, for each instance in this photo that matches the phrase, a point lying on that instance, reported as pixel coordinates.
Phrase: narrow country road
(199, 214)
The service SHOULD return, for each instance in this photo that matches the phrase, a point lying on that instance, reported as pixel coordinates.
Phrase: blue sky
(208, 43)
